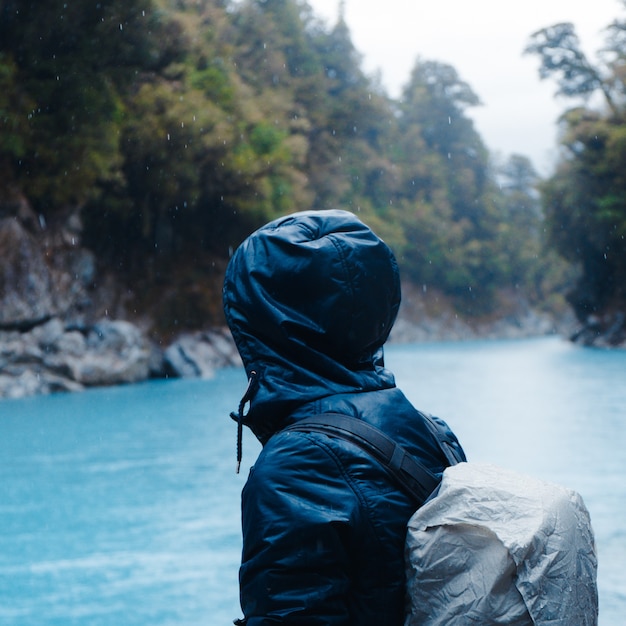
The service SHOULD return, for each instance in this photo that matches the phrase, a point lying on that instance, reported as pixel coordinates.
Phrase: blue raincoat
(310, 300)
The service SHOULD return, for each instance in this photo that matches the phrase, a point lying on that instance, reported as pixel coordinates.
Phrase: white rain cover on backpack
(495, 547)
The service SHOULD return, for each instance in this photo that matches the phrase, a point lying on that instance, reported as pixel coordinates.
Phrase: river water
(120, 506)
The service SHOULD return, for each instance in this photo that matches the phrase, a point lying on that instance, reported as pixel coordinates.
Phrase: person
(310, 299)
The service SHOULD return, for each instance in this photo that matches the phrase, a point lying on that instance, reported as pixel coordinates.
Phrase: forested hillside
(585, 199)
(172, 128)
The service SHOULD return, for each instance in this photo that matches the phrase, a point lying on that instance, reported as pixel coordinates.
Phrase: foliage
(449, 217)
(585, 199)
(178, 126)
(69, 64)
(559, 48)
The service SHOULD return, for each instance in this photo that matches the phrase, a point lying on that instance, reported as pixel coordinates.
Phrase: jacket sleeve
(298, 509)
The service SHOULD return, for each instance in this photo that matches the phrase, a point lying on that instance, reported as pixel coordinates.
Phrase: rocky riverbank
(65, 325)
(59, 357)
(54, 357)
(430, 316)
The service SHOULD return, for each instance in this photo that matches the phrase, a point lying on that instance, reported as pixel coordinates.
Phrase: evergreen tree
(585, 199)
(65, 65)
(451, 220)
(178, 126)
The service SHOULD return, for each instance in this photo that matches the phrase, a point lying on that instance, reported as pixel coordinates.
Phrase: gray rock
(198, 355)
(50, 358)
(607, 331)
(114, 352)
(47, 335)
(25, 281)
(44, 273)
(30, 382)
(27, 383)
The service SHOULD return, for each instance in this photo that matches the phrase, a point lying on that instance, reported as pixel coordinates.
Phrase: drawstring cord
(239, 416)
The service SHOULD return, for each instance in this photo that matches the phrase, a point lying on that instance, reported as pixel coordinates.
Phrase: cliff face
(44, 273)
(62, 326)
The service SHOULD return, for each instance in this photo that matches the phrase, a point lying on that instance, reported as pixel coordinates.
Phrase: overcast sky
(483, 40)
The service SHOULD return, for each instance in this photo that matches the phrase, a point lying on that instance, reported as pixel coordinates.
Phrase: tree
(585, 199)
(531, 266)
(178, 126)
(69, 62)
(561, 57)
(450, 217)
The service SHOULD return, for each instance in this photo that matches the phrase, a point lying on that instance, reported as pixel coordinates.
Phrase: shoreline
(66, 325)
(64, 354)
(55, 357)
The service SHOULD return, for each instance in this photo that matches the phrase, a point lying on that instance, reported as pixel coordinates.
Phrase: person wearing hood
(310, 299)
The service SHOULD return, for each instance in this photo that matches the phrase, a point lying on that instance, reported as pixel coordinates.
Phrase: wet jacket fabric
(310, 300)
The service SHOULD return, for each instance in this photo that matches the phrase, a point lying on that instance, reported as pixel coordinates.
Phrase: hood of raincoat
(310, 300)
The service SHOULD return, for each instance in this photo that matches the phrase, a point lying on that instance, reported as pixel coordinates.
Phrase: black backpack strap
(446, 440)
(416, 479)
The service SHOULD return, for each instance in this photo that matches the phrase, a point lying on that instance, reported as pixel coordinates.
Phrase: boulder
(198, 355)
(56, 357)
(53, 358)
(107, 353)
(31, 383)
(602, 331)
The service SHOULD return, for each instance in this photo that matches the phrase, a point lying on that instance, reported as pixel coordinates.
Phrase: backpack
(489, 546)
